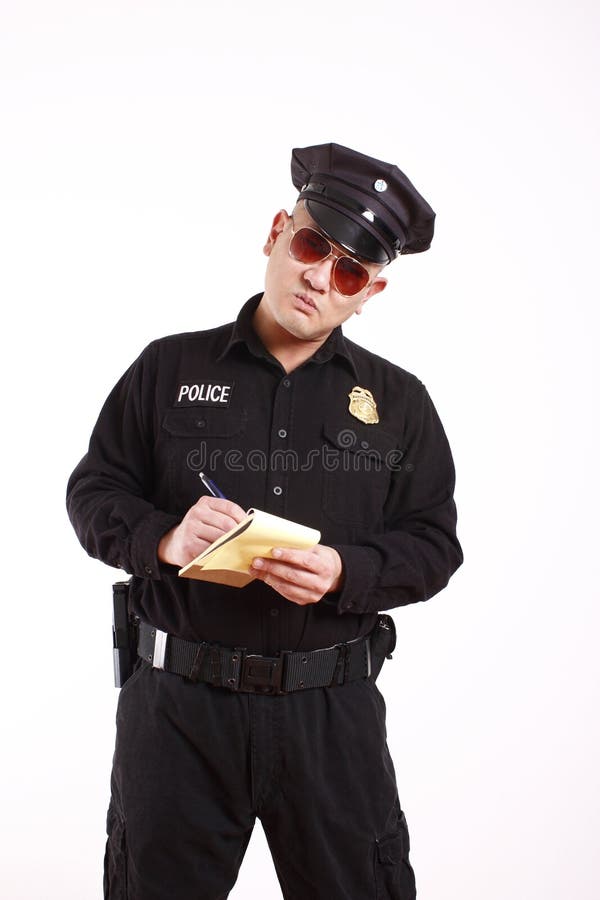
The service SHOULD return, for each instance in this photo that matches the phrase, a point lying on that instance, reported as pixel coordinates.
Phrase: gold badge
(363, 406)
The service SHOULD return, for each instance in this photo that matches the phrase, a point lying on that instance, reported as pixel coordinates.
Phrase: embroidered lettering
(204, 393)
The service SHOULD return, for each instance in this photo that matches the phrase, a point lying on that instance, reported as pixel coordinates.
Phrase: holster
(383, 643)
(124, 634)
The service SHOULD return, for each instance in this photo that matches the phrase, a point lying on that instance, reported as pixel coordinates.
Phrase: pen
(211, 487)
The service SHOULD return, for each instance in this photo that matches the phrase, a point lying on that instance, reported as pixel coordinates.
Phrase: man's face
(300, 297)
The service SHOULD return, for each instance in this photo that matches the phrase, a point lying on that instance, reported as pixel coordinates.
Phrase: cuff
(359, 577)
(145, 540)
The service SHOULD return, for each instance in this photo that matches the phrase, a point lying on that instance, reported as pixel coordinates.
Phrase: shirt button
(286, 382)
(274, 612)
(277, 490)
(147, 570)
(282, 433)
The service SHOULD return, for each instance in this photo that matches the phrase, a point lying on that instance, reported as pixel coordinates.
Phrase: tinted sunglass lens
(349, 277)
(308, 246)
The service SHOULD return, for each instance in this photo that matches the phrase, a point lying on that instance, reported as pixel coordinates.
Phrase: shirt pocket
(358, 461)
(203, 440)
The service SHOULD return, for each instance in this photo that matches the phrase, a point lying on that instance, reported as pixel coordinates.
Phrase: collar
(244, 333)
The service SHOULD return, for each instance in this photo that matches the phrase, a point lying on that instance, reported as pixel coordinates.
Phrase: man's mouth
(306, 301)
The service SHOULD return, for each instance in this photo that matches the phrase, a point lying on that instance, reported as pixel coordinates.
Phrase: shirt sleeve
(418, 552)
(109, 494)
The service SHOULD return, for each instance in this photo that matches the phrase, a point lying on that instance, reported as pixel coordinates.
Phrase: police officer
(261, 701)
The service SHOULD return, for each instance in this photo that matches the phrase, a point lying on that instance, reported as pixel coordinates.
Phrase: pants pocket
(394, 875)
(115, 857)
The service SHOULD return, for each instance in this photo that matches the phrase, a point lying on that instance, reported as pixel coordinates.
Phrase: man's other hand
(301, 576)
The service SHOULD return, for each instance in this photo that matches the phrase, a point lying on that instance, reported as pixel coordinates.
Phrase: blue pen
(211, 487)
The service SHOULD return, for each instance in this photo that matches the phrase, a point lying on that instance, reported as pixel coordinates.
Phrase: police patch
(204, 393)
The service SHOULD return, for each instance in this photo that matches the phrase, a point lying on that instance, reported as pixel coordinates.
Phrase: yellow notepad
(228, 559)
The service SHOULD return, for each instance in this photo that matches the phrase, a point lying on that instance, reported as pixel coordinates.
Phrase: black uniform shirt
(217, 401)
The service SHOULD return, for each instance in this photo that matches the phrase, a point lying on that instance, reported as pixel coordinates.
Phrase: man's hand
(301, 576)
(203, 523)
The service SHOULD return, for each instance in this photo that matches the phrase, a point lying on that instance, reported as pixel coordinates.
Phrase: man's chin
(301, 327)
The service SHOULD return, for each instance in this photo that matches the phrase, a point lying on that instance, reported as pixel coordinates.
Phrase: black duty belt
(240, 670)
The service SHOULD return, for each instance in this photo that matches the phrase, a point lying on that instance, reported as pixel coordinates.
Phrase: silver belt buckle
(160, 648)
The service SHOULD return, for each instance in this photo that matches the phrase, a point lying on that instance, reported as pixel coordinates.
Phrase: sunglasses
(310, 246)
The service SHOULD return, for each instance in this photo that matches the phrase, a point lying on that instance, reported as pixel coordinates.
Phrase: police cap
(366, 205)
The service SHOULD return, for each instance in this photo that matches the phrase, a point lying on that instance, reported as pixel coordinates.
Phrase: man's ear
(376, 288)
(279, 223)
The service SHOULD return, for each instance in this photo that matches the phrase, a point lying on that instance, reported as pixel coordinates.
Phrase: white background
(145, 148)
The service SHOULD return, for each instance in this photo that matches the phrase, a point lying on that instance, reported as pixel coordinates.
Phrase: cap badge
(380, 185)
(362, 405)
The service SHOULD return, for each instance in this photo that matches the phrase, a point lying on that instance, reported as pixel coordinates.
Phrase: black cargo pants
(194, 766)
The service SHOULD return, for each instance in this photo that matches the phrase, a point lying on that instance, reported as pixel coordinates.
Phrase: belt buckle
(262, 674)
(160, 648)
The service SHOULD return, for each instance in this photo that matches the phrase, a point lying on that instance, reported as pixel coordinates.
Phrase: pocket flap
(203, 423)
(369, 440)
(390, 849)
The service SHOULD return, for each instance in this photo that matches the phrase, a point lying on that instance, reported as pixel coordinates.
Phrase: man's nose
(318, 274)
